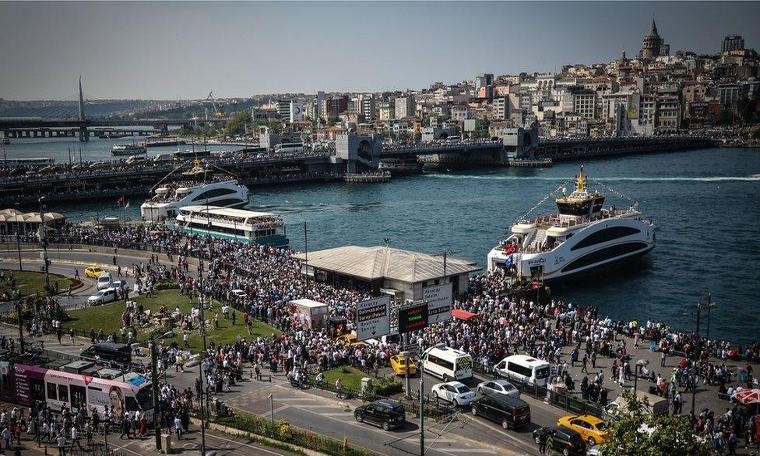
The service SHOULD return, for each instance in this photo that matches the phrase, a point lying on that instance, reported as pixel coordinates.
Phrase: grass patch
(33, 282)
(108, 318)
(351, 376)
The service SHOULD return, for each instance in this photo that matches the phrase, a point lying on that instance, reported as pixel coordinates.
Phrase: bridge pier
(84, 134)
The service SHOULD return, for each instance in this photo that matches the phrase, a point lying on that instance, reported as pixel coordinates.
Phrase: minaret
(81, 100)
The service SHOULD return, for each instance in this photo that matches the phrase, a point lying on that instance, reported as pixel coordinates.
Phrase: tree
(639, 433)
(726, 117)
(236, 125)
(756, 133)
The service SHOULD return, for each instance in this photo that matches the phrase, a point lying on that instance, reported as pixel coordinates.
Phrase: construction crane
(218, 110)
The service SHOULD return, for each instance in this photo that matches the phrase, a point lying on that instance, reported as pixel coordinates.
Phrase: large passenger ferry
(236, 224)
(583, 235)
(199, 185)
(129, 149)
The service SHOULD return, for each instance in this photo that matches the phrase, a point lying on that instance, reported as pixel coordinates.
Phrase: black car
(108, 352)
(385, 413)
(564, 440)
(508, 411)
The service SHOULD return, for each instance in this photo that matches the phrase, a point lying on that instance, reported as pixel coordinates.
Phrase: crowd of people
(507, 322)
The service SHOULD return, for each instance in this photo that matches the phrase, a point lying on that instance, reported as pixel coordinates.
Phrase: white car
(498, 387)
(239, 294)
(103, 297)
(455, 392)
(104, 281)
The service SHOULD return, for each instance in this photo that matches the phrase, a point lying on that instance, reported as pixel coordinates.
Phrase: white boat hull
(573, 257)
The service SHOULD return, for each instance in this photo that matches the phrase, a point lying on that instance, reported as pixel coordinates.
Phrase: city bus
(447, 363)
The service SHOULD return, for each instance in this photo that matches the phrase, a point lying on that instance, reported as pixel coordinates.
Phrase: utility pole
(306, 249)
(696, 360)
(710, 305)
(20, 326)
(156, 405)
(18, 250)
(422, 413)
(202, 329)
(43, 240)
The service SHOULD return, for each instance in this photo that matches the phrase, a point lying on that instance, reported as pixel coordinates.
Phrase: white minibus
(447, 363)
(524, 369)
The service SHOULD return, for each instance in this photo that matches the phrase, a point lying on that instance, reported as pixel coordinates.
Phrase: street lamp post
(696, 360)
(405, 355)
(271, 407)
(154, 381)
(202, 329)
(710, 305)
(43, 240)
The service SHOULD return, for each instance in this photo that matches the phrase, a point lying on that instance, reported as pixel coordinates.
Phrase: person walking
(178, 426)
(542, 442)
(585, 364)
(61, 442)
(339, 388)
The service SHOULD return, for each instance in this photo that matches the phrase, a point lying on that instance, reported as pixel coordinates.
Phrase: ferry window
(213, 193)
(604, 254)
(51, 391)
(607, 234)
(78, 396)
(63, 393)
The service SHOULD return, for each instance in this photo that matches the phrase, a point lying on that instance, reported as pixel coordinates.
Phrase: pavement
(323, 413)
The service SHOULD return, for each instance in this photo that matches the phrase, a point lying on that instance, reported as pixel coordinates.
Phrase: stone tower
(652, 45)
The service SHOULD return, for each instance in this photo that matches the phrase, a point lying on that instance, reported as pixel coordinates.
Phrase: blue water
(706, 205)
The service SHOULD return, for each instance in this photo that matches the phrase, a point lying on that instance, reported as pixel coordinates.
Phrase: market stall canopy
(463, 314)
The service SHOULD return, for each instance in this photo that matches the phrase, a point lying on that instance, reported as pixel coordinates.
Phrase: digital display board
(412, 318)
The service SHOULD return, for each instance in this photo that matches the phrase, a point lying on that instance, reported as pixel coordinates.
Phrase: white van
(447, 363)
(104, 281)
(524, 369)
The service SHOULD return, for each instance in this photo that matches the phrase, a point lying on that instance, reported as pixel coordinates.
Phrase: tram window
(63, 393)
(38, 389)
(131, 404)
(51, 391)
(78, 396)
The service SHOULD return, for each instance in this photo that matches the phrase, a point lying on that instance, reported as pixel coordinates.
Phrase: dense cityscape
(518, 264)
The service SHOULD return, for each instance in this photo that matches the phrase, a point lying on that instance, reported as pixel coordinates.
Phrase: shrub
(166, 285)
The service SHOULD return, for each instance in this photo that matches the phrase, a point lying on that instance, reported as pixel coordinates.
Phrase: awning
(748, 396)
(463, 314)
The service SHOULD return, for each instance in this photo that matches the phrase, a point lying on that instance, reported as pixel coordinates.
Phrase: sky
(180, 50)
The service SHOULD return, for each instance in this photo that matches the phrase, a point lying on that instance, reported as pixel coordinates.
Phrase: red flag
(120, 200)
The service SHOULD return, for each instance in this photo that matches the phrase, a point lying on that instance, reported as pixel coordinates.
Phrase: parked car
(386, 413)
(566, 441)
(455, 392)
(93, 271)
(592, 429)
(398, 364)
(508, 411)
(498, 387)
(120, 284)
(104, 281)
(103, 297)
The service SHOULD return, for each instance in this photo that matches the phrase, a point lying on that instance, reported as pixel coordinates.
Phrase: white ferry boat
(582, 236)
(236, 224)
(169, 198)
(128, 149)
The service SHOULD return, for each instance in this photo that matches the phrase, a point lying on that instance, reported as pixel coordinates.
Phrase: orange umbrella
(748, 396)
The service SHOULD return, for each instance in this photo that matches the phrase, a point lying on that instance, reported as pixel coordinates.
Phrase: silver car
(498, 387)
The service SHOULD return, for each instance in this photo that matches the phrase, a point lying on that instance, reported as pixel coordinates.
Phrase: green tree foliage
(726, 117)
(638, 433)
(756, 133)
(236, 125)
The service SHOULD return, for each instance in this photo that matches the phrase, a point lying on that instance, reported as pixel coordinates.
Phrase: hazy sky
(183, 50)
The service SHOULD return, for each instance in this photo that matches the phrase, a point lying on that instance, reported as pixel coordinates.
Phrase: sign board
(373, 318)
(412, 318)
(439, 302)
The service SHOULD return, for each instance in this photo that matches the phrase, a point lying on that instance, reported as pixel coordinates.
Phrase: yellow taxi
(93, 271)
(398, 364)
(592, 429)
(350, 341)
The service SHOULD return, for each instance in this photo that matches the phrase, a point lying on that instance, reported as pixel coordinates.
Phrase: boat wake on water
(750, 178)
